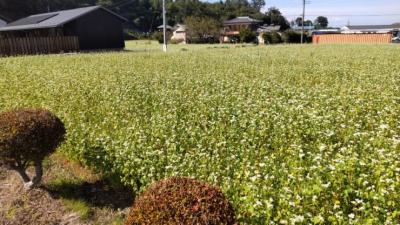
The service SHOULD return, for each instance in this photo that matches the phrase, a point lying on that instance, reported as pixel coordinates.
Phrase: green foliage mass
(271, 38)
(291, 134)
(247, 36)
(321, 22)
(146, 15)
(202, 30)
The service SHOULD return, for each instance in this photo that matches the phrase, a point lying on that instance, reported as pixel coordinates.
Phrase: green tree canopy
(321, 22)
(146, 15)
(274, 16)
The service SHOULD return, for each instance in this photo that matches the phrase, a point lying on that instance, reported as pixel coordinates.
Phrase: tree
(308, 23)
(202, 29)
(272, 38)
(146, 15)
(321, 22)
(247, 36)
(274, 16)
(299, 21)
(258, 4)
(291, 36)
(27, 136)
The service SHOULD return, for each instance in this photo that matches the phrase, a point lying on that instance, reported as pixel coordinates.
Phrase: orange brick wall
(351, 38)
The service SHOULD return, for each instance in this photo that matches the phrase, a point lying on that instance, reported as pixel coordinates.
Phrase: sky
(342, 12)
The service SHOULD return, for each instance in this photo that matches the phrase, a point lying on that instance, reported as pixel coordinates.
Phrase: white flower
(326, 185)
(283, 222)
(314, 198)
(384, 126)
(298, 219)
(351, 216)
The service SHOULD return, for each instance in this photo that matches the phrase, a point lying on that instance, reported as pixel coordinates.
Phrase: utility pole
(302, 21)
(164, 27)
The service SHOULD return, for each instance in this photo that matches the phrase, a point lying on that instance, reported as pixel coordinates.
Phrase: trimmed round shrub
(27, 136)
(181, 200)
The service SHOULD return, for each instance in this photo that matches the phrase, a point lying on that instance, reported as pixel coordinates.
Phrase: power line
(348, 15)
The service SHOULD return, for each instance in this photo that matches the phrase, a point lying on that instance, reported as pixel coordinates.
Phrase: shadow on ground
(97, 194)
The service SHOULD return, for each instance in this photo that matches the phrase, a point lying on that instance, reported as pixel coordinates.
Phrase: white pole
(302, 21)
(164, 28)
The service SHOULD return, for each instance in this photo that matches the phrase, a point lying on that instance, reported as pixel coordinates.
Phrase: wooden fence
(352, 38)
(38, 45)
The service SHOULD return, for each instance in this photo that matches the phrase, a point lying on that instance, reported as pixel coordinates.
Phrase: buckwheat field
(291, 134)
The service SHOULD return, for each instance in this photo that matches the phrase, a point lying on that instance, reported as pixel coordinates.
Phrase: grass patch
(78, 206)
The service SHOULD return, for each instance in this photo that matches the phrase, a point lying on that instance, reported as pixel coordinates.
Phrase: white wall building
(370, 29)
(179, 33)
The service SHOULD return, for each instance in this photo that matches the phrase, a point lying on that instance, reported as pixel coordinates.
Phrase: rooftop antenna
(164, 27)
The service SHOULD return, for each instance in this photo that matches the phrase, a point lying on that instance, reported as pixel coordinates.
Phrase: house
(89, 28)
(266, 29)
(308, 28)
(231, 28)
(326, 31)
(355, 38)
(179, 34)
(371, 29)
(372, 34)
(161, 28)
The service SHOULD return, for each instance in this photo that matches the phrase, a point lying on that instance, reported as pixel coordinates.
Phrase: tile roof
(269, 28)
(241, 20)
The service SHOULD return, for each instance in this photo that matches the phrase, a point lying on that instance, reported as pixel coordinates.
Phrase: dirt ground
(69, 195)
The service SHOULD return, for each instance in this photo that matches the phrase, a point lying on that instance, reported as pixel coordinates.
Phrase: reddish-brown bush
(28, 136)
(180, 200)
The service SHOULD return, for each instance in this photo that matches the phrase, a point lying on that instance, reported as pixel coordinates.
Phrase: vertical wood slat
(38, 45)
(352, 38)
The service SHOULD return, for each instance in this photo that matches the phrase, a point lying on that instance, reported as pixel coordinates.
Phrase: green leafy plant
(272, 38)
(247, 36)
